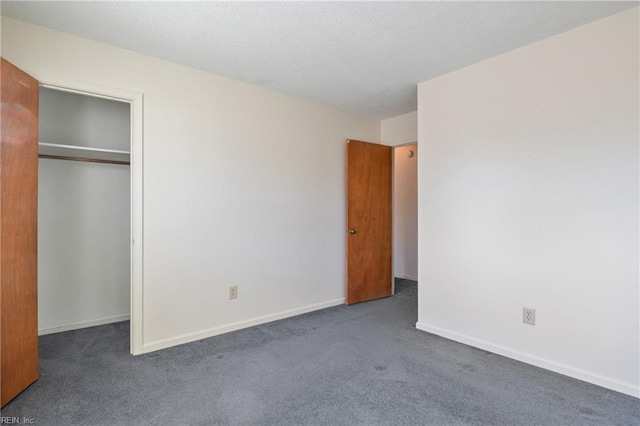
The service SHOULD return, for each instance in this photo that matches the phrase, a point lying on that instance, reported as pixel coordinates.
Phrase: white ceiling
(365, 57)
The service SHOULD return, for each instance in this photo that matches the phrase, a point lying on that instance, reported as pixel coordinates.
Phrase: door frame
(135, 99)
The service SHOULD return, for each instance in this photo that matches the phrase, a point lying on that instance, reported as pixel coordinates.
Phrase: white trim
(401, 142)
(136, 100)
(137, 225)
(80, 91)
(82, 324)
(407, 277)
(393, 221)
(199, 335)
(626, 388)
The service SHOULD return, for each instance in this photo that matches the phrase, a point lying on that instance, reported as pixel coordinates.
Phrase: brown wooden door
(368, 250)
(18, 231)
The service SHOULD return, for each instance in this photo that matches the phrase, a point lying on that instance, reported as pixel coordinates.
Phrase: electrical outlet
(529, 316)
(233, 292)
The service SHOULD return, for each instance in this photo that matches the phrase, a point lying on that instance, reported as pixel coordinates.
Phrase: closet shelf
(82, 153)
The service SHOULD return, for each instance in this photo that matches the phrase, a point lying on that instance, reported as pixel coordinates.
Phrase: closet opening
(405, 214)
(85, 210)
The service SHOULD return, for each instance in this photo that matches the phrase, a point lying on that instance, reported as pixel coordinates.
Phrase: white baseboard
(406, 277)
(585, 376)
(82, 324)
(199, 335)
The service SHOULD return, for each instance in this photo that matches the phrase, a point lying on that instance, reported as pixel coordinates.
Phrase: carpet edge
(575, 373)
(215, 331)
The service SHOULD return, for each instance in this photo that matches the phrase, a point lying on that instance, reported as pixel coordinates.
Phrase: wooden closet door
(18, 231)
(369, 233)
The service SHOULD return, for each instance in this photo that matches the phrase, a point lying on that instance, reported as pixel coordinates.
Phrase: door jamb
(135, 99)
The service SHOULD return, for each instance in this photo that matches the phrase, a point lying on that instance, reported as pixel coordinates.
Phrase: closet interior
(84, 210)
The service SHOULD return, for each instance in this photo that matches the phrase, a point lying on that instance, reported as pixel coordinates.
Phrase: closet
(84, 212)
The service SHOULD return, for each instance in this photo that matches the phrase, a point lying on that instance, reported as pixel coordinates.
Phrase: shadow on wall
(405, 212)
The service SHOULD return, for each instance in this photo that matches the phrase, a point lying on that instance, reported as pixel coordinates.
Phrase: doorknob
(352, 231)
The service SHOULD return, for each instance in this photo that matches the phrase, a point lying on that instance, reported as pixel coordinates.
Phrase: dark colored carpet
(360, 364)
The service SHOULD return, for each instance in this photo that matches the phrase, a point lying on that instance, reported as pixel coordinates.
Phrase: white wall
(83, 215)
(242, 186)
(83, 244)
(73, 119)
(405, 212)
(528, 196)
(395, 131)
(399, 130)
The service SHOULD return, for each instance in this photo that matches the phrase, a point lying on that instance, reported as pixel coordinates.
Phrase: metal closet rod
(85, 160)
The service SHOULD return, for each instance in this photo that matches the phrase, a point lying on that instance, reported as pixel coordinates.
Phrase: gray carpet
(361, 364)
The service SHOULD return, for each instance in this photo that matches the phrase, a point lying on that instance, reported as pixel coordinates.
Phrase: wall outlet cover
(529, 316)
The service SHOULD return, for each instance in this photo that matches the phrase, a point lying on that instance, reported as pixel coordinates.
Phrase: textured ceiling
(365, 57)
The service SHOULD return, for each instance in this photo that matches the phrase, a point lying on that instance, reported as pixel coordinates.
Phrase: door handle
(352, 231)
